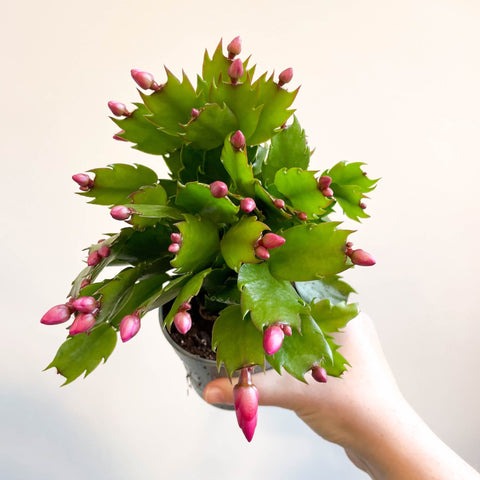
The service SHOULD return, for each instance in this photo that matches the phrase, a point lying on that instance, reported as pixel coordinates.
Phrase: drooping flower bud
(362, 258)
(247, 204)
(328, 192)
(319, 374)
(129, 326)
(285, 76)
(176, 237)
(85, 304)
(238, 140)
(324, 182)
(235, 70)
(82, 323)
(234, 47)
(218, 189)
(262, 252)
(174, 248)
(194, 113)
(57, 314)
(83, 180)
(144, 80)
(118, 109)
(279, 203)
(273, 339)
(245, 400)
(302, 216)
(94, 259)
(272, 240)
(104, 251)
(287, 329)
(121, 212)
(182, 321)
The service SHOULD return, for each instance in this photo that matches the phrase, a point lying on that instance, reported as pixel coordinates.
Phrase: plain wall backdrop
(394, 84)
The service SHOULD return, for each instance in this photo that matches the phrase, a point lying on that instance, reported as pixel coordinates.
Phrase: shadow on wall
(42, 443)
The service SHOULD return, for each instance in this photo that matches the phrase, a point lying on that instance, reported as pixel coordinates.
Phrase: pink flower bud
(273, 339)
(104, 251)
(362, 205)
(93, 259)
(57, 314)
(245, 399)
(324, 182)
(121, 212)
(144, 80)
(319, 374)
(362, 258)
(302, 216)
(117, 136)
(85, 282)
(328, 192)
(176, 237)
(262, 252)
(83, 180)
(118, 109)
(279, 203)
(218, 189)
(129, 327)
(234, 47)
(182, 321)
(272, 240)
(174, 248)
(285, 76)
(235, 70)
(85, 304)
(194, 113)
(238, 140)
(82, 323)
(287, 329)
(247, 204)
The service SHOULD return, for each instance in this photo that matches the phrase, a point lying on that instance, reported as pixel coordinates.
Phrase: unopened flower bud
(362, 205)
(85, 304)
(287, 329)
(118, 109)
(82, 323)
(176, 237)
(302, 216)
(121, 212)
(273, 339)
(83, 180)
(285, 76)
(272, 240)
(238, 140)
(57, 314)
(324, 182)
(362, 258)
(104, 251)
(194, 113)
(182, 321)
(174, 248)
(93, 259)
(319, 374)
(218, 189)
(129, 326)
(234, 47)
(245, 400)
(262, 252)
(247, 204)
(279, 203)
(144, 80)
(328, 192)
(235, 70)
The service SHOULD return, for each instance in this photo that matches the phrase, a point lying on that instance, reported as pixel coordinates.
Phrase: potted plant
(239, 235)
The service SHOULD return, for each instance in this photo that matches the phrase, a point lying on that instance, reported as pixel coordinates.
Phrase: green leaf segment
(182, 242)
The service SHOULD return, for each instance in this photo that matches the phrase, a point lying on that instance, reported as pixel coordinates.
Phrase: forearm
(398, 445)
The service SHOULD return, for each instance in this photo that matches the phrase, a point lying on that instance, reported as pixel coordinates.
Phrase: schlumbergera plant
(240, 231)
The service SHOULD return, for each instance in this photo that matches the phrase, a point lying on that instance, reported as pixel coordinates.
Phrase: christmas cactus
(241, 230)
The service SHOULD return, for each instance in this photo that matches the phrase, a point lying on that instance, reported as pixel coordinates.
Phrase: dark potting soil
(198, 340)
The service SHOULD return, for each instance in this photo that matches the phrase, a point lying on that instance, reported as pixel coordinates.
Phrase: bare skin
(364, 412)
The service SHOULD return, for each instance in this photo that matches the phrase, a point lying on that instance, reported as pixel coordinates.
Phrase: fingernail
(213, 395)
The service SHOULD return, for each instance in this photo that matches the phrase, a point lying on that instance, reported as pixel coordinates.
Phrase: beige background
(394, 84)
